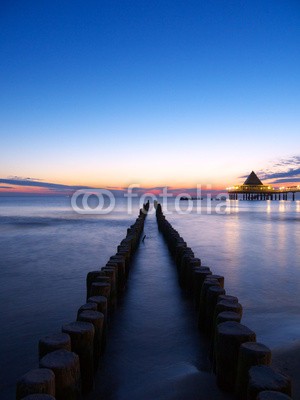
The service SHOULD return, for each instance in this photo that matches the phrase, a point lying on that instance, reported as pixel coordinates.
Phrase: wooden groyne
(241, 364)
(69, 359)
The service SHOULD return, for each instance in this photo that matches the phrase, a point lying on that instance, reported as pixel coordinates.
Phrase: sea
(47, 248)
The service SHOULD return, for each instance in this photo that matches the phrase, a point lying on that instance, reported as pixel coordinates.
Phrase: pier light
(254, 189)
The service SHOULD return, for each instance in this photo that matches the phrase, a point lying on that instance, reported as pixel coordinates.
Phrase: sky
(108, 93)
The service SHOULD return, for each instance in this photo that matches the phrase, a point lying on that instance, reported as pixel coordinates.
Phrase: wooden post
(229, 337)
(213, 293)
(100, 289)
(82, 341)
(66, 368)
(250, 354)
(54, 342)
(87, 307)
(200, 275)
(101, 302)
(97, 319)
(89, 280)
(202, 304)
(40, 380)
(264, 377)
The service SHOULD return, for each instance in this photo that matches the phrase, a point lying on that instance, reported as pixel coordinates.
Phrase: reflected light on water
(234, 206)
(256, 249)
(282, 206)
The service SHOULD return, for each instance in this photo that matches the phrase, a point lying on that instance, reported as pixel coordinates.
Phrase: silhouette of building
(254, 189)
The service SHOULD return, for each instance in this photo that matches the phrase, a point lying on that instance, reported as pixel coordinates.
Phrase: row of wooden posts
(69, 359)
(242, 365)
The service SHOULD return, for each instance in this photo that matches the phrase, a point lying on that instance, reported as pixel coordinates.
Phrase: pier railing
(262, 192)
(262, 188)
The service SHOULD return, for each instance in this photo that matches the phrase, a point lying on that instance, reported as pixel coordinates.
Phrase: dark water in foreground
(46, 250)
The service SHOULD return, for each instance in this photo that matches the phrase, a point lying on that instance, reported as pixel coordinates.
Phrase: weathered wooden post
(66, 368)
(200, 274)
(90, 278)
(87, 307)
(264, 377)
(229, 337)
(54, 342)
(228, 316)
(82, 341)
(97, 319)
(111, 272)
(250, 354)
(100, 289)
(101, 302)
(39, 380)
(202, 304)
(213, 292)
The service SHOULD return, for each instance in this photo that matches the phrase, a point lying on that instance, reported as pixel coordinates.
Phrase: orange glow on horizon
(155, 190)
(151, 186)
(19, 189)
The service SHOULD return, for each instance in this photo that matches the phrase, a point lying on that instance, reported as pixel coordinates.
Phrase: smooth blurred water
(46, 250)
(256, 247)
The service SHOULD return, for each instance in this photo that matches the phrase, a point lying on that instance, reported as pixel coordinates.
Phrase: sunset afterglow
(168, 93)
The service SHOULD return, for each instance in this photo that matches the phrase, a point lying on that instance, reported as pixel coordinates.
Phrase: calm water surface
(47, 249)
(256, 247)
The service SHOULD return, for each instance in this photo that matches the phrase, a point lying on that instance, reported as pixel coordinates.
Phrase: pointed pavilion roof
(253, 180)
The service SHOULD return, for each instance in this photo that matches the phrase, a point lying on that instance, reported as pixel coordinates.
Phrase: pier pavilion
(254, 189)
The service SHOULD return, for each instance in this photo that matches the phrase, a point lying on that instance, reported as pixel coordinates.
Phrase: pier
(254, 189)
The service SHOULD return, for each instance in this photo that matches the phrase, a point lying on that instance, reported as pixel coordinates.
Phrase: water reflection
(282, 206)
(233, 206)
(256, 250)
(255, 246)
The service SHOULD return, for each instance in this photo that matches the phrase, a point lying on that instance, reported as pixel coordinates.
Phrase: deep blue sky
(155, 92)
